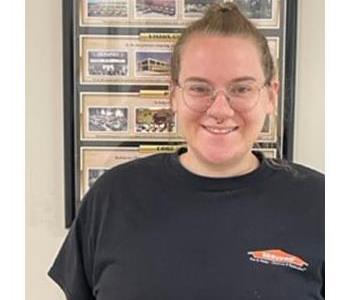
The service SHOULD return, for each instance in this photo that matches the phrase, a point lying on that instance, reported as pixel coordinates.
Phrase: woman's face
(222, 134)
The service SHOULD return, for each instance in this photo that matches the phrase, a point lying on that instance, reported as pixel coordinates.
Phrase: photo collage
(121, 80)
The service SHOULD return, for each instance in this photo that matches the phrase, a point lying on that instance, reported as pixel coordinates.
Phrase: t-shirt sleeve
(72, 268)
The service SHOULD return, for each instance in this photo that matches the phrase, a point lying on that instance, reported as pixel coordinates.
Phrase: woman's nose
(220, 106)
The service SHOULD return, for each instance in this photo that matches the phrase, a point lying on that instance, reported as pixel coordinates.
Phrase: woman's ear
(272, 91)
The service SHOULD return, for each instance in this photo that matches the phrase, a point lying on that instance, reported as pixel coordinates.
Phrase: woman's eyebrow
(195, 78)
(243, 78)
(234, 80)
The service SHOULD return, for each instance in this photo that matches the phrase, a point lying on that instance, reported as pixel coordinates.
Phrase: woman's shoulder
(147, 164)
(125, 182)
(294, 169)
(297, 184)
(131, 172)
(293, 172)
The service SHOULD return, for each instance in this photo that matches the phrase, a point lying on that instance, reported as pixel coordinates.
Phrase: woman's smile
(216, 130)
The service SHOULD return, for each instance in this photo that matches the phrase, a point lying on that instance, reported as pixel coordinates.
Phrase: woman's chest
(209, 256)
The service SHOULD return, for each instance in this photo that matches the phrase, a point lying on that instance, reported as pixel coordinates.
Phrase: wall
(44, 144)
(44, 134)
(309, 114)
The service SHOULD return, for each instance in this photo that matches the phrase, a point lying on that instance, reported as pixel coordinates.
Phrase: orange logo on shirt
(278, 257)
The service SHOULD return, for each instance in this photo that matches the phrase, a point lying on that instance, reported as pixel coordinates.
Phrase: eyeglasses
(199, 96)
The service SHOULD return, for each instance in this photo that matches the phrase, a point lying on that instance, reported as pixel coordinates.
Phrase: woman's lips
(220, 130)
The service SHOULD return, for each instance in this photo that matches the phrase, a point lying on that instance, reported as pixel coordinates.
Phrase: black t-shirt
(150, 229)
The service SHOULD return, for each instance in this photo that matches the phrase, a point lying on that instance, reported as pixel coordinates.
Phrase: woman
(215, 220)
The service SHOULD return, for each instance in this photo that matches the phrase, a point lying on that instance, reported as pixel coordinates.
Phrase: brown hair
(223, 19)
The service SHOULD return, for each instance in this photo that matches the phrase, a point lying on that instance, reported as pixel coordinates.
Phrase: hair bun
(227, 6)
(224, 9)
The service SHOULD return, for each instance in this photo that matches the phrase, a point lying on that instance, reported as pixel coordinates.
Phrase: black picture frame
(72, 29)
(68, 110)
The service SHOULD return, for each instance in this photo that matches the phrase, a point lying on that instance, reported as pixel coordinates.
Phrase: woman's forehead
(212, 44)
(214, 55)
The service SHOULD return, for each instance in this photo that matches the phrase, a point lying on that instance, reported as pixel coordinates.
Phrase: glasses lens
(197, 95)
(243, 96)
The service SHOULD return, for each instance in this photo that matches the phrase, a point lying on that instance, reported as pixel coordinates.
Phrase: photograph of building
(198, 7)
(152, 63)
(107, 8)
(155, 8)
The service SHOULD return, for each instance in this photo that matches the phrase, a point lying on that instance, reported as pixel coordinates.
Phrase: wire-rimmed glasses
(241, 96)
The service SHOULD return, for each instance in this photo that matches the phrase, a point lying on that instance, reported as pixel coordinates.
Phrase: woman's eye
(198, 89)
(241, 90)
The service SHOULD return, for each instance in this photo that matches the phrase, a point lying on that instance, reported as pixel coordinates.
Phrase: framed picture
(134, 13)
(168, 13)
(151, 63)
(263, 13)
(156, 10)
(111, 59)
(268, 133)
(268, 152)
(127, 117)
(104, 12)
(194, 9)
(116, 67)
(274, 45)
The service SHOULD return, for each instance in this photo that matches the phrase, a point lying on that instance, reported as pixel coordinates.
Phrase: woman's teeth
(217, 130)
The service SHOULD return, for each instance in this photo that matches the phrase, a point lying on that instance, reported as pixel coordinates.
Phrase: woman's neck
(241, 166)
